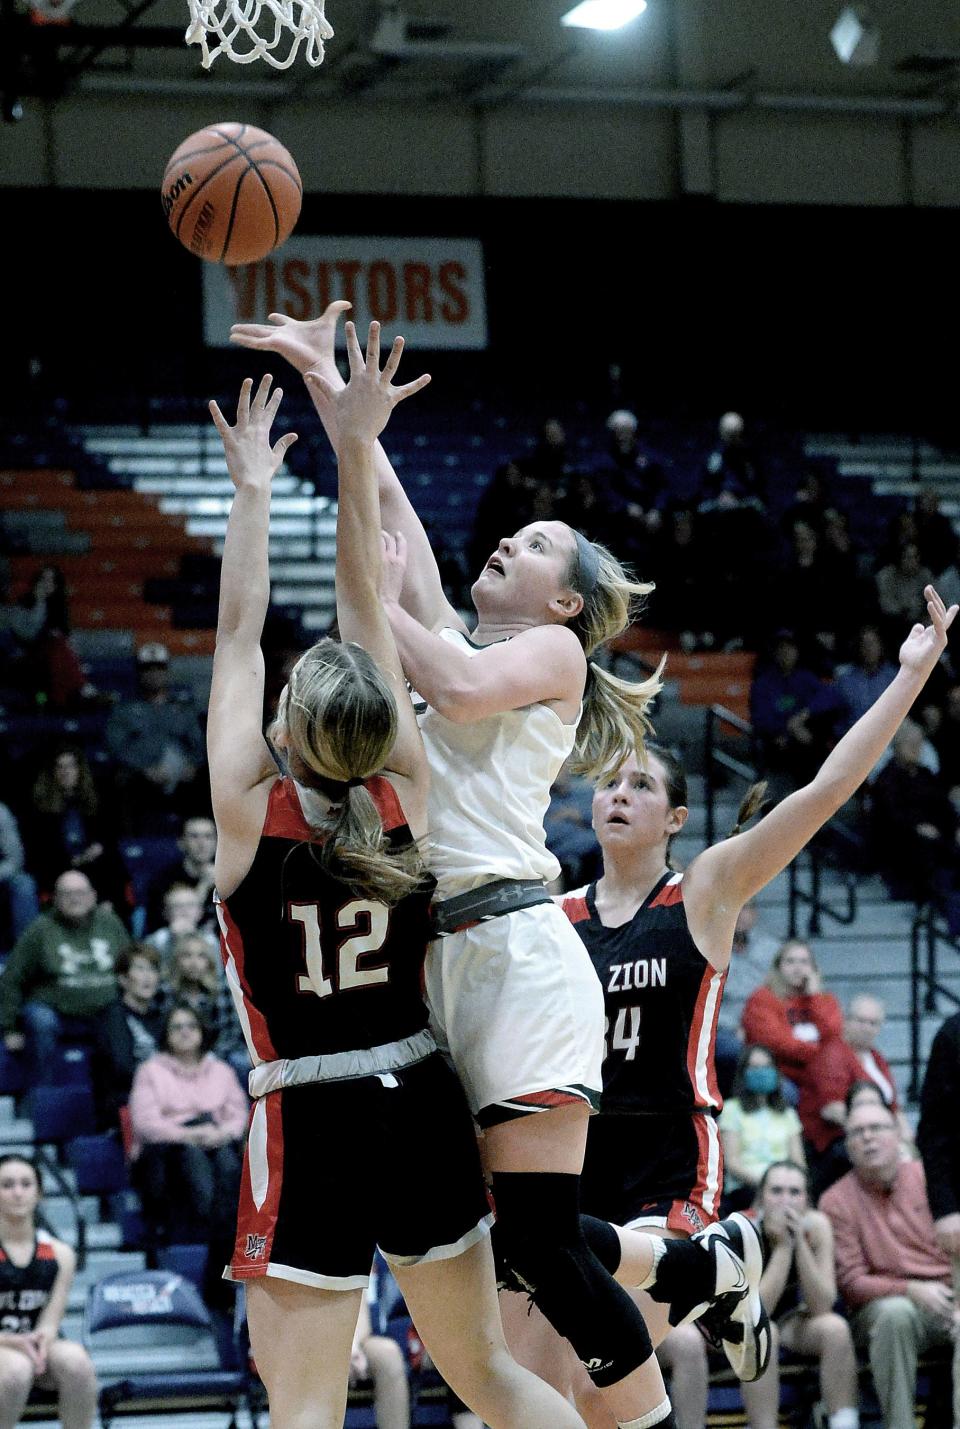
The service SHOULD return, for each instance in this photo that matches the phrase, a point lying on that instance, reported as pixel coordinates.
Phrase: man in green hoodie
(60, 973)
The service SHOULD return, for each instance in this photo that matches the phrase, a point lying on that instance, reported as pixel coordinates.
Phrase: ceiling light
(856, 37)
(603, 14)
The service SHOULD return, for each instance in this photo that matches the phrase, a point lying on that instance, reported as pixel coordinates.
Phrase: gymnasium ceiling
(503, 52)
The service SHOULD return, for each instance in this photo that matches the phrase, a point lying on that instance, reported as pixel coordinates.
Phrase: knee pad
(541, 1243)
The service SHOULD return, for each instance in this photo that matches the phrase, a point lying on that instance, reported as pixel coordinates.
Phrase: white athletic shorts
(517, 1006)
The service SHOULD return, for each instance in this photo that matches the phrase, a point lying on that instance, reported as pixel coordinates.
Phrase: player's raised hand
(363, 407)
(251, 459)
(393, 566)
(926, 643)
(303, 344)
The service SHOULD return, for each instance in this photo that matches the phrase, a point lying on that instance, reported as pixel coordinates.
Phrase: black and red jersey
(661, 999)
(314, 966)
(25, 1289)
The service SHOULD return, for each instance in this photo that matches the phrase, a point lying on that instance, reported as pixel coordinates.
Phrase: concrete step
(8, 1112)
(16, 1134)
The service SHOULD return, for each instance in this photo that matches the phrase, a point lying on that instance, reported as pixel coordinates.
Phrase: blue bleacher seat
(190, 1261)
(60, 1113)
(145, 858)
(136, 1306)
(99, 1164)
(71, 1068)
(13, 1077)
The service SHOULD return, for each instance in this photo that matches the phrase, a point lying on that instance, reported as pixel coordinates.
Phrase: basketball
(231, 193)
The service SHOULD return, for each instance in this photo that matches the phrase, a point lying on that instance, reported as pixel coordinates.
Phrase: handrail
(716, 759)
(812, 896)
(48, 1163)
(926, 934)
(719, 758)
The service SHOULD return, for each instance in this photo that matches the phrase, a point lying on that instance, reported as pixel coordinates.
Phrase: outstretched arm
(723, 878)
(239, 756)
(309, 346)
(362, 409)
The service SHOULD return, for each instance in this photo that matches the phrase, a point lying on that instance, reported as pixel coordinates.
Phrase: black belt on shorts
(490, 900)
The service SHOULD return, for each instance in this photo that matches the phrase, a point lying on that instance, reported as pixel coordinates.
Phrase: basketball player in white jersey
(513, 996)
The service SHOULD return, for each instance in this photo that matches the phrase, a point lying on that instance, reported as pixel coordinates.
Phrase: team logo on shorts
(256, 1245)
(690, 1213)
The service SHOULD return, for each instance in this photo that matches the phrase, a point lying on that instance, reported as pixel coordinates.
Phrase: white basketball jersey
(489, 791)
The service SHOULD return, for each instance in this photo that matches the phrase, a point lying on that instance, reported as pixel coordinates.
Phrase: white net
(248, 30)
(55, 10)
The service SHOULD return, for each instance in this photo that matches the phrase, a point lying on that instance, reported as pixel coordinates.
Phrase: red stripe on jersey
(284, 815)
(45, 1250)
(231, 946)
(576, 909)
(706, 1193)
(285, 818)
(669, 894)
(384, 795)
(547, 1098)
(263, 1172)
(701, 1065)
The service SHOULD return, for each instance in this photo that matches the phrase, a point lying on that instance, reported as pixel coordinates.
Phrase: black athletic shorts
(333, 1170)
(653, 1170)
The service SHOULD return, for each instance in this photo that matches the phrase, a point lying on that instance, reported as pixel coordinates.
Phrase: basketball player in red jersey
(660, 942)
(360, 1134)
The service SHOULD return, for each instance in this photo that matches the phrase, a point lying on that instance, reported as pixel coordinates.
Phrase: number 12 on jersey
(622, 1040)
(368, 920)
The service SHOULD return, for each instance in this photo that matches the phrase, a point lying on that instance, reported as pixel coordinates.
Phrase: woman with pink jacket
(188, 1115)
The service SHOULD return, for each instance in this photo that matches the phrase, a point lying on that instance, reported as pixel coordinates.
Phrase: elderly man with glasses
(890, 1269)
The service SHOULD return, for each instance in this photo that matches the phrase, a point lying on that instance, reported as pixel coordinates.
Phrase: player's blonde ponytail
(340, 719)
(615, 719)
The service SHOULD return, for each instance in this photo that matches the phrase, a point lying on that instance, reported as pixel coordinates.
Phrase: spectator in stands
(890, 1269)
(198, 846)
(753, 952)
(947, 743)
(195, 978)
(182, 913)
(18, 890)
(859, 684)
(66, 828)
(59, 977)
(799, 1287)
(845, 1062)
(806, 598)
(128, 1030)
(550, 463)
(900, 586)
(951, 575)
(36, 1273)
(733, 478)
(757, 1127)
(677, 565)
(810, 504)
(938, 1137)
(569, 828)
(36, 639)
(936, 538)
(914, 826)
(791, 711)
(791, 1014)
(379, 1359)
(156, 742)
(637, 477)
(188, 1114)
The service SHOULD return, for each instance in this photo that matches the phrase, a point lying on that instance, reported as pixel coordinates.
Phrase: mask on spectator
(761, 1080)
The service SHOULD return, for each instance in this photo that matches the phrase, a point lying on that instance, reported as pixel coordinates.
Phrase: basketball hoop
(50, 12)
(234, 25)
